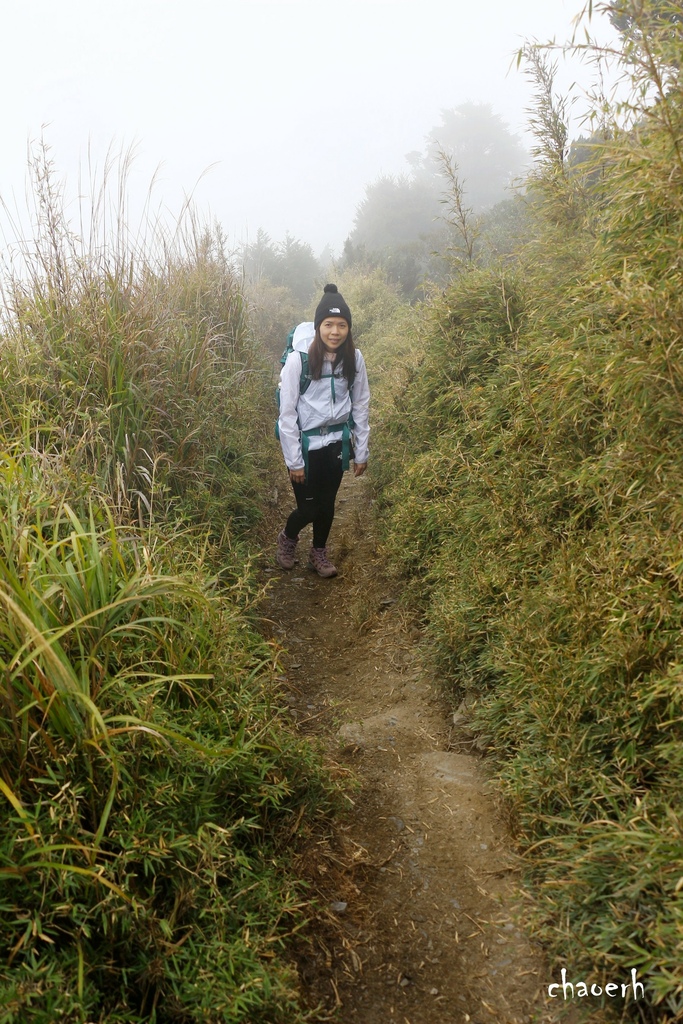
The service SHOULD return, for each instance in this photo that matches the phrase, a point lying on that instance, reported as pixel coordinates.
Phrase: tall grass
(148, 792)
(142, 357)
(535, 512)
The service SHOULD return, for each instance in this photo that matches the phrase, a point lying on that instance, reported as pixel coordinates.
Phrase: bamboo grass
(534, 511)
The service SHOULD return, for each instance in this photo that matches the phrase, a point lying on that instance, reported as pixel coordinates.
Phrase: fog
(270, 114)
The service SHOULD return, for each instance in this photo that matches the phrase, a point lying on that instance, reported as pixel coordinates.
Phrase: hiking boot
(318, 560)
(286, 550)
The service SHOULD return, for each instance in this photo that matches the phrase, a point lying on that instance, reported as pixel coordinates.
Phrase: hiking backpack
(305, 378)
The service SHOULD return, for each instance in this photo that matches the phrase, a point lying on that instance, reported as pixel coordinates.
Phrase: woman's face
(334, 331)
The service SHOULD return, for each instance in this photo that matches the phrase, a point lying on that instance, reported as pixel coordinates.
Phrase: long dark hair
(346, 355)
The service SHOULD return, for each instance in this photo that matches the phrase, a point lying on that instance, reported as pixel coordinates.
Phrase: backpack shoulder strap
(289, 347)
(305, 378)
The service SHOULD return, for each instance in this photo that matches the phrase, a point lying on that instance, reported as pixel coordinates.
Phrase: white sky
(290, 106)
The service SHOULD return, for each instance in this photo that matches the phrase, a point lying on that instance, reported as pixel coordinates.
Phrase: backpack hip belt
(345, 428)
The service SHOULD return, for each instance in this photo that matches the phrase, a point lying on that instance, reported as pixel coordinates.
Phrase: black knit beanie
(331, 304)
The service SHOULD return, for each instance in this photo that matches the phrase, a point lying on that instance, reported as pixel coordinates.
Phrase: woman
(324, 403)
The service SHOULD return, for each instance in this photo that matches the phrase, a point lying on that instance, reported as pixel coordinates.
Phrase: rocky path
(420, 920)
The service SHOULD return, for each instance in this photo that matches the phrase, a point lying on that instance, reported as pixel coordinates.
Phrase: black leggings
(315, 499)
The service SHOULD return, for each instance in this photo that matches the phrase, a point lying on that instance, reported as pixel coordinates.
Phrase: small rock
(338, 907)
(352, 734)
(398, 823)
(433, 991)
(460, 721)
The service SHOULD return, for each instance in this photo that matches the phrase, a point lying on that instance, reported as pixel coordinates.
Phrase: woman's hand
(359, 468)
(297, 476)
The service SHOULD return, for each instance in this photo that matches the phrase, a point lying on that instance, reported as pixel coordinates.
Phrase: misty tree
(488, 156)
(280, 279)
(326, 260)
(396, 228)
(395, 211)
(260, 258)
(289, 264)
(399, 224)
(299, 268)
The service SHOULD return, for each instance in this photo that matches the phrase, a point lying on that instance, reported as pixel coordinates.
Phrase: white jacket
(325, 401)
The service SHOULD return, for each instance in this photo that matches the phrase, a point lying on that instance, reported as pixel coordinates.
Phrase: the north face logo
(335, 310)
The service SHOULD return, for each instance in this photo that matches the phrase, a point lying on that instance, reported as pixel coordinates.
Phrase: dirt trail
(420, 922)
